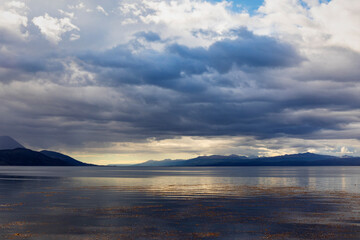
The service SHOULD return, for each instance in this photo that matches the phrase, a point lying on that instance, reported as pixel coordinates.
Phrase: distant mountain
(7, 142)
(307, 157)
(119, 165)
(216, 160)
(301, 159)
(71, 161)
(198, 161)
(162, 163)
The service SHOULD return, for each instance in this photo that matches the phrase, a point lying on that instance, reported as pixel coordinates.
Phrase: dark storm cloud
(148, 36)
(24, 63)
(209, 100)
(246, 85)
(171, 69)
(23, 60)
(246, 50)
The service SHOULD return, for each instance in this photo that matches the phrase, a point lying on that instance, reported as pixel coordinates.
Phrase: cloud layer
(131, 78)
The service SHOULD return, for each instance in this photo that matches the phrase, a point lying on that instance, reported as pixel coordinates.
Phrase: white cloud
(74, 37)
(102, 10)
(67, 14)
(75, 75)
(77, 6)
(309, 24)
(16, 4)
(53, 28)
(134, 8)
(13, 19)
(341, 20)
(179, 19)
(345, 150)
(313, 26)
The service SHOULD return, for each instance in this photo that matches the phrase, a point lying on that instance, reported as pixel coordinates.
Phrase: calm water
(180, 203)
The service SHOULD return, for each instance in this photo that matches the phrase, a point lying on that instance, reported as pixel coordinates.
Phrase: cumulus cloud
(183, 76)
(53, 28)
(334, 19)
(13, 21)
(312, 24)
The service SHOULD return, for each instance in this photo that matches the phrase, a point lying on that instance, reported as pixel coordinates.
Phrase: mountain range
(13, 153)
(301, 159)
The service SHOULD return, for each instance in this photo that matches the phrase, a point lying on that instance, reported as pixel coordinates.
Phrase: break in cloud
(132, 80)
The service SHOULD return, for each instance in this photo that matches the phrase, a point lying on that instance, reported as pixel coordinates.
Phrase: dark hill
(27, 157)
(65, 158)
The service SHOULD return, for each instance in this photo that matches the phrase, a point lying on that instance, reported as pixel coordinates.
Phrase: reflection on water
(180, 203)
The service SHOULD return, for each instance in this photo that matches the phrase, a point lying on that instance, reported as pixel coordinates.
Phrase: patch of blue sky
(305, 5)
(249, 6)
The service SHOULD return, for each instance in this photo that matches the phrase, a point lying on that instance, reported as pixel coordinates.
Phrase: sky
(131, 80)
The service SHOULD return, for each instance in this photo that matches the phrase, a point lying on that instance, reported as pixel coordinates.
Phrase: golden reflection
(277, 181)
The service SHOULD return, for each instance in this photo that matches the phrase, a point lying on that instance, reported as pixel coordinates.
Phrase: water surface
(179, 203)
